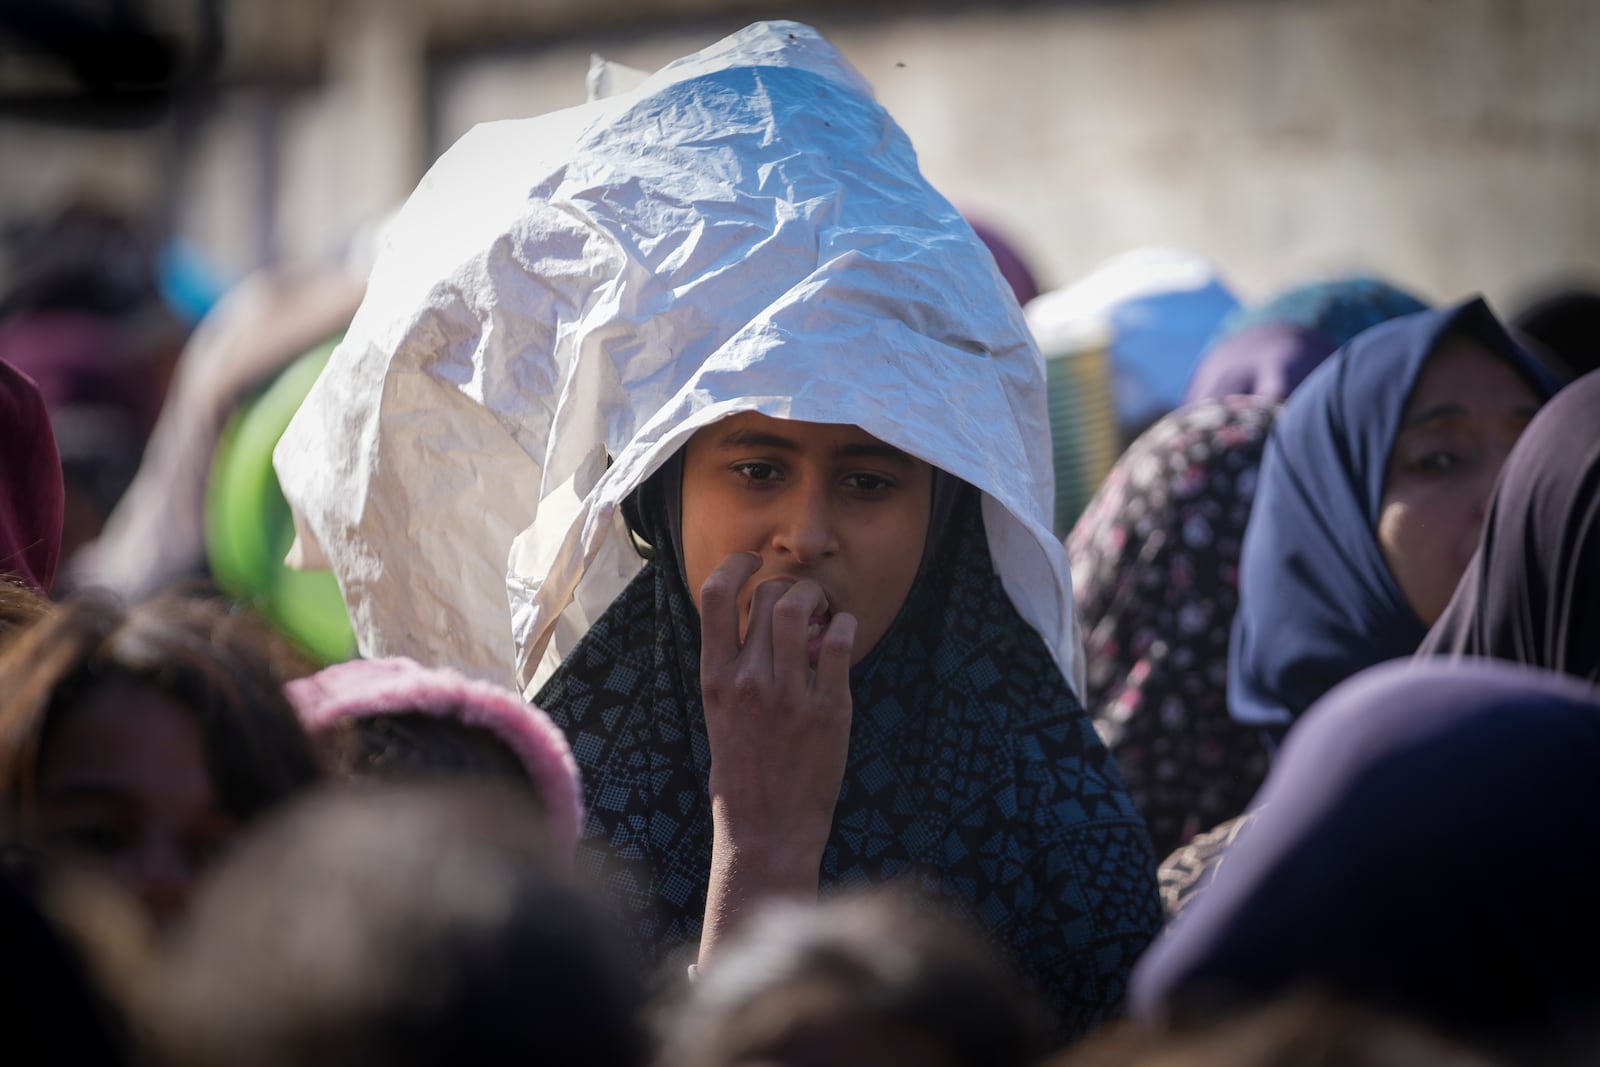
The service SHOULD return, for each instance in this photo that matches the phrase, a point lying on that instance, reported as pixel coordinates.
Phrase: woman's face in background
(124, 786)
(1466, 412)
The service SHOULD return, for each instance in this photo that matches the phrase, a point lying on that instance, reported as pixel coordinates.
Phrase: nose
(163, 877)
(806, 529)
(1488, 477)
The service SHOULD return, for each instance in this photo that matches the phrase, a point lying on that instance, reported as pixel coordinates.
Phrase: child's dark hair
(416, 746)
(219, 662)
(884, 961)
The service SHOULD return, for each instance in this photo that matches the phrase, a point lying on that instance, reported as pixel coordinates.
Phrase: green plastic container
(249, 527)
(1084, 440)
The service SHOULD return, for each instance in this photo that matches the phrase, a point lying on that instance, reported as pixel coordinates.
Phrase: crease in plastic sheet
(564, 300)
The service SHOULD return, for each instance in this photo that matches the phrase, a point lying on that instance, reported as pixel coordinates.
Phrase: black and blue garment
(973, 775)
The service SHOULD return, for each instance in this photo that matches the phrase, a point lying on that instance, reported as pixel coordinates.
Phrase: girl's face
(123, 784)
(826, 502)
(1467, 410)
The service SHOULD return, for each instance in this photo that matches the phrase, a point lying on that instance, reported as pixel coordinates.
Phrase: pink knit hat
(363, 688)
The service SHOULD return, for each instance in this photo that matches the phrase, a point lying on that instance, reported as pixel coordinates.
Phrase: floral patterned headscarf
(1155, 576)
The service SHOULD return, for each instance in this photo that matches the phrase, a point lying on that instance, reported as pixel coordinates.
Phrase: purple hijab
(1531, 595)
(1268, 350)
(1012, 267)
(1425, 843)
(31, 493)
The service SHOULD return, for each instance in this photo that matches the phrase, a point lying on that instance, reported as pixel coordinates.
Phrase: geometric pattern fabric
(973, 773)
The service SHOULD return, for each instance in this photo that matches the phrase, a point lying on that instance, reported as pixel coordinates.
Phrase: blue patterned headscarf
(1317, 602)
(1269, 349)
(973, 774)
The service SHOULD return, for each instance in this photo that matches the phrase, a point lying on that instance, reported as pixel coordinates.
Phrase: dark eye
(1437, 462)
(756, 471)
(97, 839)
(863, 482)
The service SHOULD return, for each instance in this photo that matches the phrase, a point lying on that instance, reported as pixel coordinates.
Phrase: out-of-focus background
(1452, 144)
(189, 191)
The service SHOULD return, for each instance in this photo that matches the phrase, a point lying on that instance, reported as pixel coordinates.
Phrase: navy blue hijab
(1317, 601)
(1424, 844)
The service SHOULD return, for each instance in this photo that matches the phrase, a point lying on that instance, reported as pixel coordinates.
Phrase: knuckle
(746, 689)
(792, 610)
(718, 590)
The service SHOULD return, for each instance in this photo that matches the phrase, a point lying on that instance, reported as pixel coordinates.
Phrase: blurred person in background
(398, 926)
(1299, 1030)
(1268, 350)
(1531, 594)
(32, 493)
(138, 742)
(393, 720)
(1159, 306)
(82, 313)
(62, 1004)
(1013, 268)
(1371, 501)
(1155, 576)
(1565, 324)
(857, 981)
(205, 501)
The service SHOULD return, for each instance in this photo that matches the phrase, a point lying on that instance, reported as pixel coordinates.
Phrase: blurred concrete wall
(1451, 144)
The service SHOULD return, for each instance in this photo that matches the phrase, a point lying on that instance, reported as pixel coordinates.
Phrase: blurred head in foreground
(394, 720)
(140, 740)
(861, 980)
(397, 925)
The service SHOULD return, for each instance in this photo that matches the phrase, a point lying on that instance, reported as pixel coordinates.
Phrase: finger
(791, 619)
(719, 607)
(757, 651)
(833, 662)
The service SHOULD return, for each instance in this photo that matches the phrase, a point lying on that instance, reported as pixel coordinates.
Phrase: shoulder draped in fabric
(973, 773)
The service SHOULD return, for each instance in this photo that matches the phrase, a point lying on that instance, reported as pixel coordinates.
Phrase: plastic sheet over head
(566, 299)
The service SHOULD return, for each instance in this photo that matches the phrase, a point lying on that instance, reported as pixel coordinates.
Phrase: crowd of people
(634, 626)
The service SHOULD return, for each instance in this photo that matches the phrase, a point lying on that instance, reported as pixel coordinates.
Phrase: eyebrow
(855, 450)
(1450, 409)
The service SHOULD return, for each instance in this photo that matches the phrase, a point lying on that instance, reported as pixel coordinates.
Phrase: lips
(815, 627)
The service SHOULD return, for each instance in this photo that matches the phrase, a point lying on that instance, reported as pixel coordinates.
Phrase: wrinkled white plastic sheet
(566, 299)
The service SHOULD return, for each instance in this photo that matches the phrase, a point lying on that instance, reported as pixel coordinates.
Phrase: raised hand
(777, 708)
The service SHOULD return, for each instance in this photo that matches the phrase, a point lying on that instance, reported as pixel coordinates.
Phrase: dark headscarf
(1268, 350)
(1531, 594)
(1155, 577)
(1566, 324)
(85, 362)
(1425, 844)
(31, 493)
(973, 772)
(1317, 602)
